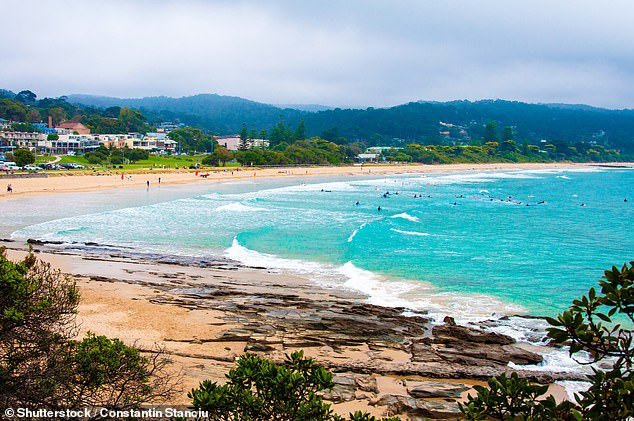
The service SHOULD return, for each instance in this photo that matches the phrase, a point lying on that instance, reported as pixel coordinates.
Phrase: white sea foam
(414, 233)
(407, 216)
(335, 186)
(253, 258)
(379, 292)
(419, 296)
(238, 207)
(356, 231)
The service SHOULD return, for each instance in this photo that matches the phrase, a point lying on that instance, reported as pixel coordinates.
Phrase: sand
(88, 181)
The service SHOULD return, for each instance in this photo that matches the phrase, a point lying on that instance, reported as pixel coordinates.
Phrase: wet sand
(88, 181)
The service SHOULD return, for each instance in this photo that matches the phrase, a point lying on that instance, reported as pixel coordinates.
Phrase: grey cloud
(367, 53)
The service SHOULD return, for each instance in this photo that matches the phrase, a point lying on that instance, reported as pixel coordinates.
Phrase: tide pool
(470, 245)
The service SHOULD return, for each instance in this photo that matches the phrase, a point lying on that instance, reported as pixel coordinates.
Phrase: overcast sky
(332, 52)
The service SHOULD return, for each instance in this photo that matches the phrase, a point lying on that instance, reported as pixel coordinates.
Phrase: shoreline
(205, 317)
(82, 182)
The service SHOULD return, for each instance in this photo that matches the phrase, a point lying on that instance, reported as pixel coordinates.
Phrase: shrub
(260, 390)
(41, 366)
(598, 325)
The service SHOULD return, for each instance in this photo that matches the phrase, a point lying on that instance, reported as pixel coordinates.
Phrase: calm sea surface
(470, 245)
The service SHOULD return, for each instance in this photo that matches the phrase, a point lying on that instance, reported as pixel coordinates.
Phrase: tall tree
(244, 138)
(507, 133)
(300, 130)
(491, 132)
(280, 133)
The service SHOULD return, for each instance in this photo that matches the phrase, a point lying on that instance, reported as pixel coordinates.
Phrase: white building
(69, 143)
(28, 140)
(232, 143)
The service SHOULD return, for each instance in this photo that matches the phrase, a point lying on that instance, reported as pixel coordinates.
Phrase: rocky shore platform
(206, 313)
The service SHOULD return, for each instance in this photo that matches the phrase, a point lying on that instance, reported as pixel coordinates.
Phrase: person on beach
(147, 182)
(159, 180)
(9, 188)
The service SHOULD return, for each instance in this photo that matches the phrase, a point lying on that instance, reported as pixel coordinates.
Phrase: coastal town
(73, 137)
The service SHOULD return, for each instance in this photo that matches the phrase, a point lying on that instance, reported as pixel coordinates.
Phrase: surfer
(379, 209)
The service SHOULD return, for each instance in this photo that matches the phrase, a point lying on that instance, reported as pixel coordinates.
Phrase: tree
(136, 154)
(23, 157)
(190, 139)
(244, 138)
(598, 325)
(300, 130)
(491, 132)
(57, 115)
(25, 97)
(260, 390)
(280, 133)
(41, 366)
(132, 120)
(507, 133)
(220, 154)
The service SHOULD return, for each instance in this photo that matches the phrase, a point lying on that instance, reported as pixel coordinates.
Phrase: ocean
(471, 245)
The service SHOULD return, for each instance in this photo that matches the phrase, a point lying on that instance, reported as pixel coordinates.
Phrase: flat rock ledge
(382, 359)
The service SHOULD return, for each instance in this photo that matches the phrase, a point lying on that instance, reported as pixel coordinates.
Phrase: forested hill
(420, 122)
(216, 113)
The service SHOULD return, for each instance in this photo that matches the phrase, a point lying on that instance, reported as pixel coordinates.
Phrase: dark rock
(415, 408)
(258, 347)
(433, 389)
(449, 333)
(41, 242)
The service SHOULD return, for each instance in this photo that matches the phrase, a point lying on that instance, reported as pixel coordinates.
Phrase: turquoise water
(469, 247)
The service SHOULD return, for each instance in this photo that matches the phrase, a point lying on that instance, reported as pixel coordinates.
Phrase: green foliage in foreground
(598, 325)
(260, 390)
(42, 366)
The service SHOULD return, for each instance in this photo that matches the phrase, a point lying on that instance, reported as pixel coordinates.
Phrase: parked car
(31, 168)
(71, 166)
(11, 166)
